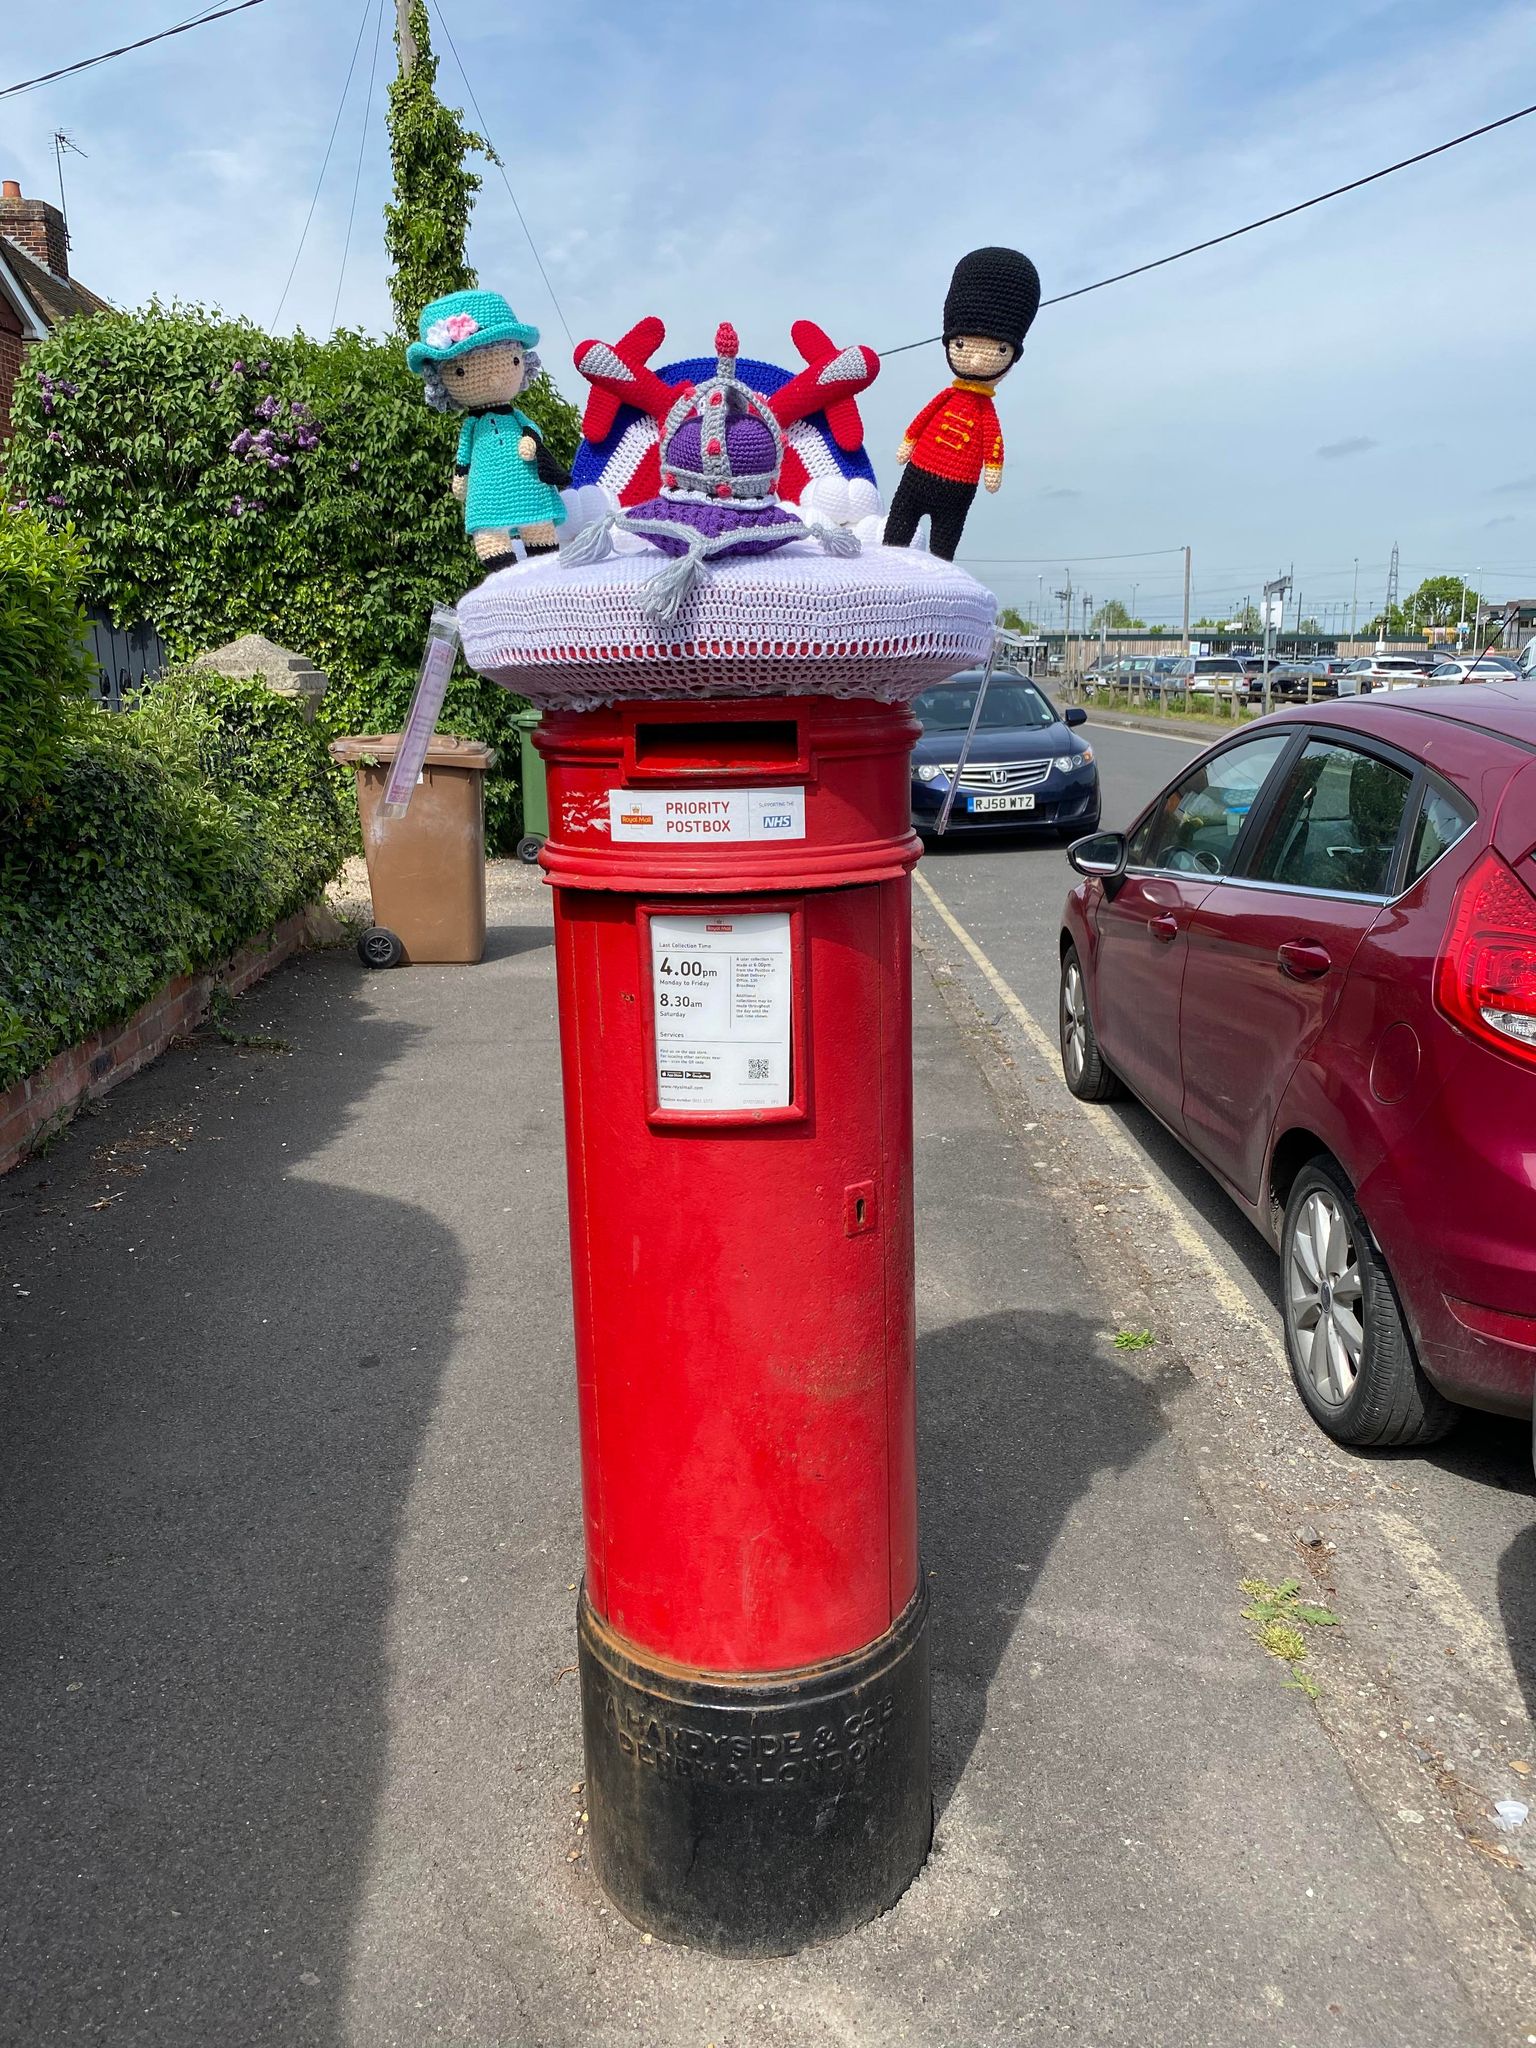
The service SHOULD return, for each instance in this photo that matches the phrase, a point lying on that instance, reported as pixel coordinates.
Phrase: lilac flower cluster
(53, 389)
(271, 444)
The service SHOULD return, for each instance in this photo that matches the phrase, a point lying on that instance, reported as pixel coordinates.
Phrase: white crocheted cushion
(883, 624)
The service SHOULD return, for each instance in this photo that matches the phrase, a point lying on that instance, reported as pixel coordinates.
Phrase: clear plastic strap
(437, 661)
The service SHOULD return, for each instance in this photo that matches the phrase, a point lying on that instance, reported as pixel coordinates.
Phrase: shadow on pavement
(1018, 1412)
(506, 941)
(1517, 1604)
(212, 1402)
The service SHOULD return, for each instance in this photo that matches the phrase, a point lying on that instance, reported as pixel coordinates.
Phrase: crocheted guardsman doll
(474, 357)
(955, 442)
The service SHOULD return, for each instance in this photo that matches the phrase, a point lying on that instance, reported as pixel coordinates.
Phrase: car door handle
(1164, 927)
(1304, 959)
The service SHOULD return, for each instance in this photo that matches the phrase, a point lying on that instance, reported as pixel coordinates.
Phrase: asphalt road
(1454, 1558)
(290, 1511)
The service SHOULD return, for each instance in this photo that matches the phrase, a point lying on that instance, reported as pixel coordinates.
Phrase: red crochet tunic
(956, 434)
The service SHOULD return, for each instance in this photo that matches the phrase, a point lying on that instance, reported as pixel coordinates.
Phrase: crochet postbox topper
(955, 443)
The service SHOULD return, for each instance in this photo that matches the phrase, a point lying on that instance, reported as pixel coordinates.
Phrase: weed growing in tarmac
(1278, 1616)
(1133, 1340)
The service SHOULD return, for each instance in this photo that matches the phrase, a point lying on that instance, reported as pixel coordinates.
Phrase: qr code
(757, 1070)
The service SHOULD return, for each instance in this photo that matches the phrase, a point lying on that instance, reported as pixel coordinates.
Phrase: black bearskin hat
(994, 292)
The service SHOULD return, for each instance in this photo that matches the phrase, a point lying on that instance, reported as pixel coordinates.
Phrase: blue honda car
(1028, 765)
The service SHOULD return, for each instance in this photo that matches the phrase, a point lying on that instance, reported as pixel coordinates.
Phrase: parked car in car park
(1208, 675)
(1474, 668)
(1029, 766)
(1313, 957)
(1385, 672)
(1308, 679)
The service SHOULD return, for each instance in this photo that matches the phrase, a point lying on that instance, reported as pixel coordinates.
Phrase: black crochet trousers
(946, 504)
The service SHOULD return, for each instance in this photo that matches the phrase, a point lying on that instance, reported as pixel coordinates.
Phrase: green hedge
(227, 481)
(44, 668)
(165, 839)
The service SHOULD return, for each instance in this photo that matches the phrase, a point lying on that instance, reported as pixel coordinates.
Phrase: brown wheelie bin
(426, 870)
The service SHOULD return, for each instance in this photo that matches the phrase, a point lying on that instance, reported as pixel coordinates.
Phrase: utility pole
(1354, 601)
(1273, 591)
(1066, 612)
(1186, 600)
(404, 38)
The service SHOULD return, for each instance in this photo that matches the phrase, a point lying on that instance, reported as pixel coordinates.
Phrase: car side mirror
(1101, 853)
(1075, 715)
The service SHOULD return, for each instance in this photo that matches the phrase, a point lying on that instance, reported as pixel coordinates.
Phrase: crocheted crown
(994, 292)
(720, 441)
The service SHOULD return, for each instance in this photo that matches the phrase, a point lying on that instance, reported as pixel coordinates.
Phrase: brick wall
(99, 1062)
(11, 347)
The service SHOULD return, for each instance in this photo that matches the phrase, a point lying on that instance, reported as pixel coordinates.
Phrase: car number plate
(1002, 803)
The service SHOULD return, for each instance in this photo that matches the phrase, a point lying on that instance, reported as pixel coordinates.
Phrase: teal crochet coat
(504, 491)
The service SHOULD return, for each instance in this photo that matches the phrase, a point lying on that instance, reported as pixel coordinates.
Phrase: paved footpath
(288, 1732)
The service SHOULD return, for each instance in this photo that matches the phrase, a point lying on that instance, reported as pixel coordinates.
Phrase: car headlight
(928, 771)
(1065, 763)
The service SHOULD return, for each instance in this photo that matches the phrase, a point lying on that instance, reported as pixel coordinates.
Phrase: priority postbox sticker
(707, 814)
(720, 985)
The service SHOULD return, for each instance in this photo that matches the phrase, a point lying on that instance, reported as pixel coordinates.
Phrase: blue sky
(1305, 396)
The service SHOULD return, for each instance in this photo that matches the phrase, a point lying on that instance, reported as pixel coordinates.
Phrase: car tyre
(1089, 1075)
(1350, 1353)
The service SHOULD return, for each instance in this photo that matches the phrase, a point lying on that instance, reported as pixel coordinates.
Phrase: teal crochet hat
(460, 321)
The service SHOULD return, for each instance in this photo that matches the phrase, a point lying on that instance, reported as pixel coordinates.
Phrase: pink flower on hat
(457, 327)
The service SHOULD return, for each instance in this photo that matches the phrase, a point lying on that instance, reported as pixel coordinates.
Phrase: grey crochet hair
(436, 393)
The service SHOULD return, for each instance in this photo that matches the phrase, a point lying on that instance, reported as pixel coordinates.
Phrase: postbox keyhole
(859, 1208)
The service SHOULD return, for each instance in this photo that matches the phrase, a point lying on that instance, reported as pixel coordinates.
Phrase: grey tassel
(594, 543)
(837, 540)
(663, 596)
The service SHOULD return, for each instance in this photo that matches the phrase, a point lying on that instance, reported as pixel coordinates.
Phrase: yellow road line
(1183, 1233)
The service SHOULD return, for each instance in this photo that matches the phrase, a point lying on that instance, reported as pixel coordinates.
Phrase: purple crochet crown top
(720, 441)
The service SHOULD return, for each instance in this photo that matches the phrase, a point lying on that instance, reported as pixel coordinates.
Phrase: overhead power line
(1268, 220)
(357, 176)
(86, 63)
(485, 131)
(324, 161)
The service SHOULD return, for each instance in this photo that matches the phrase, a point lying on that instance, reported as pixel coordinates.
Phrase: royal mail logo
(636, 818)
(719, 927)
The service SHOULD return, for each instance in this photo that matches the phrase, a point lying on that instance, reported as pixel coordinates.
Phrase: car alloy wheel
(1089, 1075)
(1322, 1280)
(1350, 1352)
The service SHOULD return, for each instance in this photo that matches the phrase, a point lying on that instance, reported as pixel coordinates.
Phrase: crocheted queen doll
(955, 442)
(474, 357)
(721, 450)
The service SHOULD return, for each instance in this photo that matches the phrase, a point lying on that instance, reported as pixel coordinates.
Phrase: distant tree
(1438, 601)
(1012, 620)
(1309, 625)
(427, 222)
(1442, 600)
(1115, 617)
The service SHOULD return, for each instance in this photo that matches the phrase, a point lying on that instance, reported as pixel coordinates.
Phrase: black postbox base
(752, 1816)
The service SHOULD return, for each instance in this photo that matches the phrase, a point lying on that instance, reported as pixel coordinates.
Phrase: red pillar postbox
(732, 938)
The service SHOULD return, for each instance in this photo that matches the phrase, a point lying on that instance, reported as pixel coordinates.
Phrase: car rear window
(1336, 823)
(1442, 820)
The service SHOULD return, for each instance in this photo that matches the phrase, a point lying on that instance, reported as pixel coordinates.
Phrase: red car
(1314, 957)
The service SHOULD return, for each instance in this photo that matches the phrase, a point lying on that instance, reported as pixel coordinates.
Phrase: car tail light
(1486, 977)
